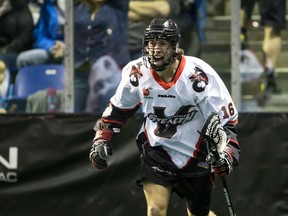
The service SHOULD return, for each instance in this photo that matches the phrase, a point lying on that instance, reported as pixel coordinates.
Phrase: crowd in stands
(32, 33)
(107, 35)
(48, 36)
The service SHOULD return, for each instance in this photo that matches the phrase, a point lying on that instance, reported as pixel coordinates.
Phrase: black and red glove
(101, 148)
(224, 164)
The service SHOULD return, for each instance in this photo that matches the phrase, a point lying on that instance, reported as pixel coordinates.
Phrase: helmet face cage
(165, 30)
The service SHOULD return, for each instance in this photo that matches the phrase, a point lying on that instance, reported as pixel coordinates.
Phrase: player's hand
(100, 151)
(102, 147)
(214, 132)
(224, 165)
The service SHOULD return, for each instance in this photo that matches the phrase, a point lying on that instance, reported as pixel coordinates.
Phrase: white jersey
(174, 112)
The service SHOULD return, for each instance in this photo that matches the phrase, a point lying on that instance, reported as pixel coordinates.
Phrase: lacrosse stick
(216, 138)
(224, 184)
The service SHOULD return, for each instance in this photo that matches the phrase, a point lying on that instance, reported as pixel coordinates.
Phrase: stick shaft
(225, 186)
(227, 196)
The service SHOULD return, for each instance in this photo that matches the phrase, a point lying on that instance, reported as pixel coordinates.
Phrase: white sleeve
(216, 98)
(126, 96)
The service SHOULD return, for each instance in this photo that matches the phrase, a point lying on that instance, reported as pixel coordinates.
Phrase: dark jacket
(106, 35)
(16, 28)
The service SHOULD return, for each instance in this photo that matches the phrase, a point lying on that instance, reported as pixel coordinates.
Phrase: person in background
(4, 86)
(184, 101)
(273, 21)
(100, 30)
(192, 18)
(16, 31)
(49, 37)
(140, 14)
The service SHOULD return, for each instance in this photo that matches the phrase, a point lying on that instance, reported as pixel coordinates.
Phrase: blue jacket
(45, 32)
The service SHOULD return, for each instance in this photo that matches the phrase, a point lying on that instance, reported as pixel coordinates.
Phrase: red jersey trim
(175, 78)
(235, 122)
(197, 146)
(234, 141)
(111, 121)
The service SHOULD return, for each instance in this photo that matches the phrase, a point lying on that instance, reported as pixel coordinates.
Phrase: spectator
(48, 35)
(273, 20)
(48, 100)
(4, 86)
(15, 32)
(140, 14)
(192, 16)
(100, 30)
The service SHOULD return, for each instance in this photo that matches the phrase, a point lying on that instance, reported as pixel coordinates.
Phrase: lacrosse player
(185, 103)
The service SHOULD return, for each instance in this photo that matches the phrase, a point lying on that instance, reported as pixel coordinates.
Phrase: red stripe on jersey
(111, 121)
(197, 146)
(175, 77)
(235, 122)
(147, 137)
(233, 141)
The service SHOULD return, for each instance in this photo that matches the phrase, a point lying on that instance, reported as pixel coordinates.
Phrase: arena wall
(44, 169)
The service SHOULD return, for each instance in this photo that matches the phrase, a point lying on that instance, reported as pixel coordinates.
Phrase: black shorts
(194, 187)
(272, 11)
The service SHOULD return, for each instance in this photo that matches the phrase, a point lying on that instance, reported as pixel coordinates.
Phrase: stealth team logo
(135, 74)
(167, 125)
(199, 80)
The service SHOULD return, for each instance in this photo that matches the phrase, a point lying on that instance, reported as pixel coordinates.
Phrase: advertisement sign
(45, 170)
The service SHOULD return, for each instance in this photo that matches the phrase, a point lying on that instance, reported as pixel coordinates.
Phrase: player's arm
(123, 105)
(106, 127)
(216, 98)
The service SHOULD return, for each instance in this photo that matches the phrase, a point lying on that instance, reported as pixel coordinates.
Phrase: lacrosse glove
(221, 164)
(220, 156)
(214, 133)
(101, 148)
